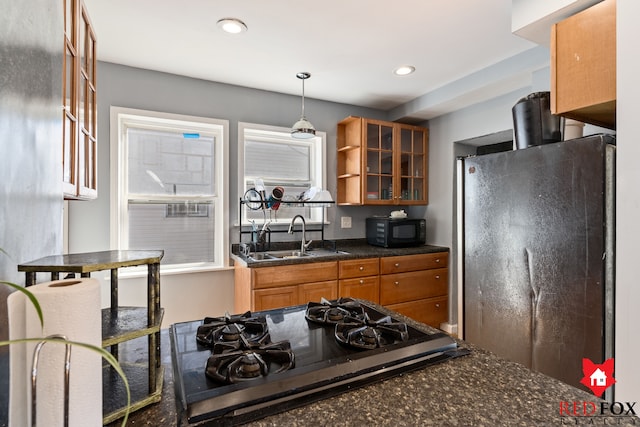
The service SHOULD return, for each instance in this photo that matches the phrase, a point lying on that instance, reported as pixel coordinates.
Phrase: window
(169, 187)
(270, 154)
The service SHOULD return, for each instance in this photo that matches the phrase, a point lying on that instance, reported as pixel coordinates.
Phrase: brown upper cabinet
(381, 163)
(583, 66)
(79, 112)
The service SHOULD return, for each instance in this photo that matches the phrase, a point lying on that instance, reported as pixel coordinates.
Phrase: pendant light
(303, 129)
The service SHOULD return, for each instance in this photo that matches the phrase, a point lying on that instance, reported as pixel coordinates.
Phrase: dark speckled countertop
(346, 249)
(480, 389)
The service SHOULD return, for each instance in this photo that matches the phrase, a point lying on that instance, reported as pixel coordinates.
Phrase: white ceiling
(350, 47)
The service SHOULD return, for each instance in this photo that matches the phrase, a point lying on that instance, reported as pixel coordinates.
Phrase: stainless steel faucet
(303, 245)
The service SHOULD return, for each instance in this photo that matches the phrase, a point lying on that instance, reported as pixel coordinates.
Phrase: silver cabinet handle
(361, 268)
(397, 264)
(438, 305)
(396, 283)
(437, 260)
(361, 281)
(437, 276)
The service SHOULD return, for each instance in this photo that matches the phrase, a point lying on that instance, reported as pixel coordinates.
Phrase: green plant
(105, 354)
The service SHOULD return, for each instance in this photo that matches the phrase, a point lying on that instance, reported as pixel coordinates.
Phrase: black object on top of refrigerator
(533, 123)
(538, 258)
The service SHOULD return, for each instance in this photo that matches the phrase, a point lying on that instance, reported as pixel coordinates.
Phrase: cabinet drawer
(413, 285)
(269, 277)
(358, 268)
(432, 311)
(361, 287)
(398, 264)
(313, 292)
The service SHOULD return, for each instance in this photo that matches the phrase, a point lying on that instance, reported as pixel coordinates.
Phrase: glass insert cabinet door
(395, 159)
(412, 164)
(79, 117)
(379, 161)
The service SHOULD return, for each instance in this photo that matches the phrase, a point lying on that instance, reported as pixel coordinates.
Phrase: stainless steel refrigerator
(538, 254)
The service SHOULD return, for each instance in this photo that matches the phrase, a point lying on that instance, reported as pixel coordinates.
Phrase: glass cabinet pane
(82, 43)
(90, 60)
(386, 140)
(418, 141)
(405, 164)
(69, 10)
(418, 163)
(373, 162)
(81, 101)
(386, 162)
(418, 184)
(93, 130)
(386, 184)
(67, 149)
(405, 140)
(68, 67)
(90, 154)
(373, 136)
(373, 187)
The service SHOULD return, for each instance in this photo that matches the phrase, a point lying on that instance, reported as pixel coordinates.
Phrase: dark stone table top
(92, 261)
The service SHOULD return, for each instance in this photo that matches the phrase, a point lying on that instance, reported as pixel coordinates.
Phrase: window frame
(278, 134)
(120, 119)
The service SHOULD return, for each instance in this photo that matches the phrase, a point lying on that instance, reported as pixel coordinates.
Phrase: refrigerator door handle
(460, 243)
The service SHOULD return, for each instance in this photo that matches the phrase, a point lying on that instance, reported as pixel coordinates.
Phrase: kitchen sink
(292, 254)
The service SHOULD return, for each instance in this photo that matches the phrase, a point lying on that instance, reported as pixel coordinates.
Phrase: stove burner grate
(252, 360)
(228, 330)
(368, 334)
(335, 311)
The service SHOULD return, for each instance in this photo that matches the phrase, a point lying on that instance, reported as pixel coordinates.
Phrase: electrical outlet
(345, 222)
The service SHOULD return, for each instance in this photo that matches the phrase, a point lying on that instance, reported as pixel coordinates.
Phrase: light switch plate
(345, 222)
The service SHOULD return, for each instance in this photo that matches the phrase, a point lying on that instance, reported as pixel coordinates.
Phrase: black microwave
(396, 232)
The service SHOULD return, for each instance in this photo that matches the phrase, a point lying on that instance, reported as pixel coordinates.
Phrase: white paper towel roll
(71, 308)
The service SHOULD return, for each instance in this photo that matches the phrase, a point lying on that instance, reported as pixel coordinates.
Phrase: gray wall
(30, 154)
(30, 132)
(143, 89)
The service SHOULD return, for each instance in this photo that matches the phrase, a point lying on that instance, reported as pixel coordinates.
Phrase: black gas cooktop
(233, 369)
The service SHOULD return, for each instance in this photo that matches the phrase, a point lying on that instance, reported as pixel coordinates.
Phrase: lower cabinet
(265, 288)
(413, 285)
(416, 286)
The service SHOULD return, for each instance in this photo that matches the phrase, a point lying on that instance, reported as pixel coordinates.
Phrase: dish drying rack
(294, 203)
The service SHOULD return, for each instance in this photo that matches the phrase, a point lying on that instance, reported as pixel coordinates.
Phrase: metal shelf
(297, 203)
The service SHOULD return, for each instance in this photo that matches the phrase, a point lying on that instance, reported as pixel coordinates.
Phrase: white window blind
(172, 187)
(270, 154)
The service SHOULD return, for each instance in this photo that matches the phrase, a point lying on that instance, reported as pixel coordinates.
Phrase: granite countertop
(345, 249)
(480, 389)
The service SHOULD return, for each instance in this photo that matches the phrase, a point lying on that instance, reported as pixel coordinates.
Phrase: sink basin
(291, 254)
(286, 254)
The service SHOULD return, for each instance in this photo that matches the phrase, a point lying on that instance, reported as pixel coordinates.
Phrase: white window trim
(118, 217)
(320, 151)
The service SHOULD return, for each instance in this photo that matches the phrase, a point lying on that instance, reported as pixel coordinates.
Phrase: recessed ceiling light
(232, 25)
(404, 70)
